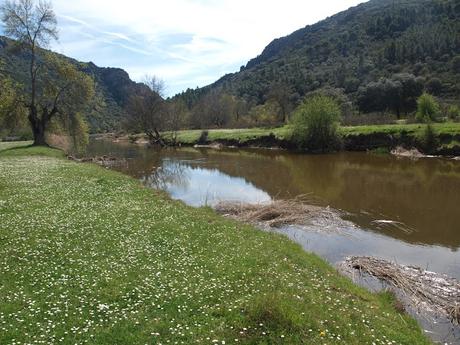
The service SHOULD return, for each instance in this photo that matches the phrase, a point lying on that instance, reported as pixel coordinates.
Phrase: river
(404, 210)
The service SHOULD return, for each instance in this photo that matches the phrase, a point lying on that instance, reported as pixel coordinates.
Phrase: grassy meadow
(243, 136)
(90, 256)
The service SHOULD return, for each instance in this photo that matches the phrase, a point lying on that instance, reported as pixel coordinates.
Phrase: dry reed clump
(106, 161)
(402, 152)
(282, 213)
(437, 292)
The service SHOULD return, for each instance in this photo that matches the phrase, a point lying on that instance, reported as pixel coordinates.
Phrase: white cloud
(195, 40)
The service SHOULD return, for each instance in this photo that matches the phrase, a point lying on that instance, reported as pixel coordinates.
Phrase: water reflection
(197, 186)
(421, 198)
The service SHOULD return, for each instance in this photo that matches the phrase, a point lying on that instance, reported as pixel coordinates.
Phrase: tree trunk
(159, 139)
(155, 138)
(38, 130)
(285, 117)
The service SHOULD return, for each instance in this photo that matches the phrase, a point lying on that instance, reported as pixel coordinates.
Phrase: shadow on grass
(30, 150)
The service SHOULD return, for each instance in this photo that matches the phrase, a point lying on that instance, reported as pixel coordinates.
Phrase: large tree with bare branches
(148, 112)
(56, 89)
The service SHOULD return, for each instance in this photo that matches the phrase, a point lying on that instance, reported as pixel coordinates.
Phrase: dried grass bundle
(439, 293)
(278, 213)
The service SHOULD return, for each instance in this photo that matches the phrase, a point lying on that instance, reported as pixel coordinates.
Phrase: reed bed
(429, 290)
(279, 213)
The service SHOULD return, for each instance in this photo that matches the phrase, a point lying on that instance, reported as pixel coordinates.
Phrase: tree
(281, 93)
(56, 90)
(398, 94)
(265, 114)
(11, 111)
(434, 86)
(316, 123)
(427, 108)
(177, 116)
(214, 109)
(147, 110)
(401, 92)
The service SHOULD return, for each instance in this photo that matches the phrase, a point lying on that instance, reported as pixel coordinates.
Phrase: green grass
(6, 145)
(89, 256)
(189, 137)
(411, 129)
(241, 135)
(25, 149)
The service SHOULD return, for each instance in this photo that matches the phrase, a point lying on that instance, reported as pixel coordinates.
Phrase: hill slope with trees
(113, 87)
(375, 57)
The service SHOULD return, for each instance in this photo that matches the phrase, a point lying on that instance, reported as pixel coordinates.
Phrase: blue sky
(187, 43)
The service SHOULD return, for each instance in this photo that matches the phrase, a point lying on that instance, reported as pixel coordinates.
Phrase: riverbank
(90, 256)
(359, 138)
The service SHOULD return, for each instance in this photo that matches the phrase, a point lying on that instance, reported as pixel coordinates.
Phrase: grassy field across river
(90, 256)
(358, 138)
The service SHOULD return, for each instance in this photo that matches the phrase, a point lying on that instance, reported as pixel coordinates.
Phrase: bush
(453, 113)
(427, 108)
(203, 139)
(316, 123)
(429, 140)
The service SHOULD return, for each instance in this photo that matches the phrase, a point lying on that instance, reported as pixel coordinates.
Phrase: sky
(187, 43)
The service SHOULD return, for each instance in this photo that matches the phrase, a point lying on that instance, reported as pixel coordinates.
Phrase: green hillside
(401, 46)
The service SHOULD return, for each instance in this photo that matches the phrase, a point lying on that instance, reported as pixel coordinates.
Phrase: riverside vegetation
(89, 256)
(354, 138)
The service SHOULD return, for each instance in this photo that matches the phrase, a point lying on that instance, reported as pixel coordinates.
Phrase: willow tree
(55, 88)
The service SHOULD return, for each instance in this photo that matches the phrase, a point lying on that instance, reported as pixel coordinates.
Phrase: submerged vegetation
(90, 256)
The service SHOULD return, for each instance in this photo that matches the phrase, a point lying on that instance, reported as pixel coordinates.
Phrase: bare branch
(32, 25)
(155, 84)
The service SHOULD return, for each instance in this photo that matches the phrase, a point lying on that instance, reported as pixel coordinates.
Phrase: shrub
(316, 123)
(453, 112)
(427, 108)
(429, 140)
(203, 139)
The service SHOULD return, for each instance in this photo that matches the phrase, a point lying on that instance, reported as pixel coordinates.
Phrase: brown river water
(421, 198)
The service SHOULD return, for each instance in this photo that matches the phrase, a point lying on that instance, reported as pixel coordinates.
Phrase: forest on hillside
(376, 59)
